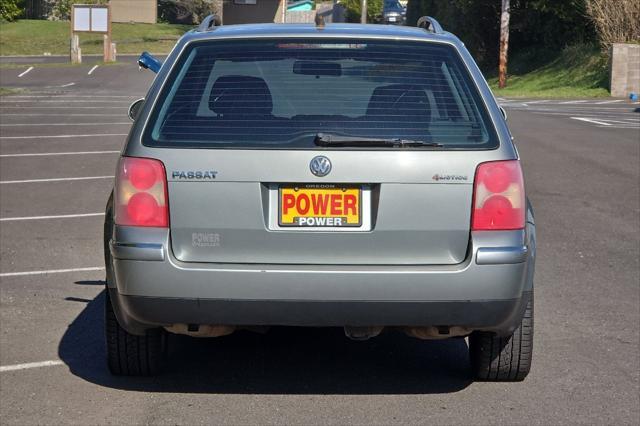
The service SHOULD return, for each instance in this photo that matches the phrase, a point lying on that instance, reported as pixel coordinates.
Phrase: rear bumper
(486, 292)
(495, 315)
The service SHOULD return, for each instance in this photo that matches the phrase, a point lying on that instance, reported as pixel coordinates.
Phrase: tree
(616, 21)
(10, 9)
(537, 28)
(353, 8)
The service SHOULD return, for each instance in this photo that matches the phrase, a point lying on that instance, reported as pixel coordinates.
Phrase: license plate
(320, 206)
(392, 19)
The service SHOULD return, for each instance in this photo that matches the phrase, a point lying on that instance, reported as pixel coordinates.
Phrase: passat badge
(320, 166)
(194, 174)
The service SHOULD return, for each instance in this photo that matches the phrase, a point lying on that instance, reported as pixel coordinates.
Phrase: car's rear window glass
(269, 93)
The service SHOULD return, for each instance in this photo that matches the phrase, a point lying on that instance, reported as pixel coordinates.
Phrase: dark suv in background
(393, 13)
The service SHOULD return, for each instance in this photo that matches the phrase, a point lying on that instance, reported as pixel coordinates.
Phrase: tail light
(141, 193)
(498, 197)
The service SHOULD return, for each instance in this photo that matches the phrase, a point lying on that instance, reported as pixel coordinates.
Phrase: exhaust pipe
(362, 333)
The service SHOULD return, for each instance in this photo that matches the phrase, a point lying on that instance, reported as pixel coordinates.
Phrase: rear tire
(128, 354)
(503, 359)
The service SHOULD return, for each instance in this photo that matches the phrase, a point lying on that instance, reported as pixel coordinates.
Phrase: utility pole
(363, 13)
(504, 44)
(284, 4)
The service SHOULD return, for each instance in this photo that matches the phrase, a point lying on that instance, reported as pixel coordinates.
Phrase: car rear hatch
(406, 215)
(248, 182)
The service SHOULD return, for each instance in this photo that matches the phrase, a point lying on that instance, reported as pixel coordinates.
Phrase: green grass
(31, 37)
(578, 71)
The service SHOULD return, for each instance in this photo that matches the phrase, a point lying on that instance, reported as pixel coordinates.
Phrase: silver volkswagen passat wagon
(358, 176)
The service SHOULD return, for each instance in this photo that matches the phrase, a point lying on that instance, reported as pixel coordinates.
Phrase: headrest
(240, 95)
(398, 101)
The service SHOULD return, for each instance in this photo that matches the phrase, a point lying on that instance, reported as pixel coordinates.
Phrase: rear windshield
(281, 93)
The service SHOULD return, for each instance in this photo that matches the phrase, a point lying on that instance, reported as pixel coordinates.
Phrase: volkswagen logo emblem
(320, 166)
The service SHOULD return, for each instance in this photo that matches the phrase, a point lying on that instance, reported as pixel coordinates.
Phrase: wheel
(128, 354)
(503, 359)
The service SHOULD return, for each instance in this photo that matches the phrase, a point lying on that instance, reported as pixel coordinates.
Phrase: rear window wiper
(325, 139)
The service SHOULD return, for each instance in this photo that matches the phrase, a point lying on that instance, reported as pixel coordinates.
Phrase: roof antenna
(319, 21)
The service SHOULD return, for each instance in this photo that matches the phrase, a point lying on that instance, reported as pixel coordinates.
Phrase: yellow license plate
(320, 206)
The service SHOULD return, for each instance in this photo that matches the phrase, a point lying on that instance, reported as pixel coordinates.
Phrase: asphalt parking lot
(58, 146)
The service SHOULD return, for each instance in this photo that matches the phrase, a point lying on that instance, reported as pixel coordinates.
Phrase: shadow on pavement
(286, 360)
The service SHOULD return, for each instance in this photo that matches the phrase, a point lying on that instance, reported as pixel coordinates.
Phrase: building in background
(251, 11)
(300, 6)
(143, 11)
(191, 12)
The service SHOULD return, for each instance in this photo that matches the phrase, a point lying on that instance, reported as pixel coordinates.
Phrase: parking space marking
(609, 102)
(47, 154)
(98, 135)
(25, 72)
(66, 85)
(589, 120)
(61, 216)
(29, 365)
(51, 271)
(92, 70)
(572, 102)
(5, 182)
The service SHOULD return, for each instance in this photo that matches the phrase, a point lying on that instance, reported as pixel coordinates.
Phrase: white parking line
(92, 70)
(572, 102)
(66, 85)
(47, 154)
(538, 102)
(4, 182)
(98, 135)
(25, 72)
(608, 102)
(62, 216)
(588, 120)
(51, 271)
(30, 365)
(63, 124)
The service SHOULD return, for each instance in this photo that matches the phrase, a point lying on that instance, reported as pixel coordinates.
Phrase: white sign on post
(82, 19)
(99, 19)
(87, 18)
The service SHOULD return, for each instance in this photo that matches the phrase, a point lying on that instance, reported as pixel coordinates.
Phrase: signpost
(89, 18)
(363, 11)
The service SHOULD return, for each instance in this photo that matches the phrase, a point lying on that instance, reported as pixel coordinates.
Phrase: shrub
(190, 12)
(374, 10)
(10, 9)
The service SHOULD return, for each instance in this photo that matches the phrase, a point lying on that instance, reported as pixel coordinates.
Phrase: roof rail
(430, 24)
(209, 23)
